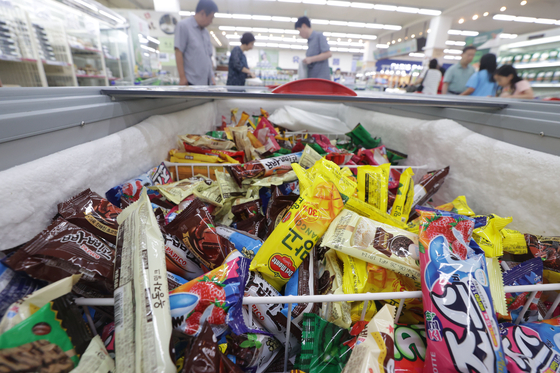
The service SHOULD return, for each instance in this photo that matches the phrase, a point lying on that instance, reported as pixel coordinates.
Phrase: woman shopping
(238, 67)
(431, 79)
(482, 83)
(513, 86)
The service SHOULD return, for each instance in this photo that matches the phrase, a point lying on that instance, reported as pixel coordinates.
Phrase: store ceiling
(411, 23)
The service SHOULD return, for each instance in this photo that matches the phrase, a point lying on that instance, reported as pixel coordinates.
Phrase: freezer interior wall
(496, 177)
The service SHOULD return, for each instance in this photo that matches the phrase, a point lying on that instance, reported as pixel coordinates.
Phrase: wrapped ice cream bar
(207, 141)
(180, 260)
(375, 243)
(95, 359)
(263, 167)
(95, 214)
(428, 186)
(142, 312)
(270, 315)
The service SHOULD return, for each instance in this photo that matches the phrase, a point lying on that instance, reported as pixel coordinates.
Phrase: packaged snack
(243, 119)
(531, 347)
(272, 180)
(245, 243)
(215, 297)
(410, 348)
(375, 243)
(204, 355)
(226, 155)
(513, 242)
(88, 210)
(252, 352)
(180, 260)
(263, 167)
(331, 172)
(367, 210)
(176, 156)
(196, 229)
(24, 307)
(526, 273)
(374, 350)
(360, 136)
(266, 137)
(546, 248)
(309, 157)
(64, 249)
(255, 226)
(207, 141)
(487, 234)
(95, 359)
(13, 287)
(324, 346)
(247, 210)
(381, 280)
(108, 337)
(243, 143)
(38, 356)
(174, 281)
(428, 186)
(228, 186)
(278, 206)
(142, 312)
(176, 192)
(58, 322)
(130, 190)
(458, 206)
(373, 185)
(270, 315)
(325, 143)
(302, 283)
(339, 313)
(461, 324)
(395, 156)
(297, 233)
(405, 195)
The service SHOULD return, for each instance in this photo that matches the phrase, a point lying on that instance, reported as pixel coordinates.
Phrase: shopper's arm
(318, 58)
(527, 94)
(445, 88)
(180, 67)
(467, 92)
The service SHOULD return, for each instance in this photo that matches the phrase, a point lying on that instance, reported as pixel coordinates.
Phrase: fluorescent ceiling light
(261, 18)
(113, 17)
(260, 44)
(185, 13)
(463, 33)
(451, 57)
(282, 19)
(291, 32)
(153, 40)
(234, 43)
(458, 43)
(290, 1)
(227, 28)
(389, 8)
(362, 5)
(338, 3)
(406, 9)
(392, 27)
(356, 24)
(374, 25)
(545, 21)
(244, 29)
(508, 36)
(87, 5)
(222, 15)
(453, 51)
(430, 12)
(503, 17)
(272, 45)
(420, 55)
(241, 16)
(525, 19)
(259, 29)
(382, 46)
(338, 23)
(317, 2)
(321, 21)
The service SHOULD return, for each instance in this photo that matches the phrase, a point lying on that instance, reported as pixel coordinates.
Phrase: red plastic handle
(314, 86)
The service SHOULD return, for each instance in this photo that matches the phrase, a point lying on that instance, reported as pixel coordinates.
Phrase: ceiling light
(261, 18)
(399, 40)
(462, 33)
(428, 31)
(420, 33)
(338, 23)
(338, 3)
(241, 16)
(453, 51)
(321, 21)
(360, 41)
(406, 9)
(388, 43)
(503, 9)
(282, 19)
(234, 43)
(222, 15)
(462, 20)
(382, 46)
(413, 36)
(429, 12)
(458, 43)
(486, 14)
(185, 14)
(406, 38)
(87, 5)
(374, 25)
(389, 8)
(290, 1)
(227, 28)
(451, 57)
(317, 2)
(338, 39)
(393, 42)
(475, 17)
(361, 5)
(356, 24)
(508, 36)
(545, 21)
(503, 17)
(525, 19)
(420, 55)
(223, 33)
(523, 2)
(392, 27)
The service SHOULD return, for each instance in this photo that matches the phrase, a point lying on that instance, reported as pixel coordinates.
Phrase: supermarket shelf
(85, 50)
(536, 65)
(545, 85)
(111, 79)
(107, 58)
(16, 59)
(56, 63)
(91, 76)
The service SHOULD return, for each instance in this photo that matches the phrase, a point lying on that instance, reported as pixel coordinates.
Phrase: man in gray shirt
(318, 50)
(193, 50)
(457, 76)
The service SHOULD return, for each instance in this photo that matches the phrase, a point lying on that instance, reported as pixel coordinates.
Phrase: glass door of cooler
(114, 44)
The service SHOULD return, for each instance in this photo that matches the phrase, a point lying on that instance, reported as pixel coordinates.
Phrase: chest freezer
(54, 142)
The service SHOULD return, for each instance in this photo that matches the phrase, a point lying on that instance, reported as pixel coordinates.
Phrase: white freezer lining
(495, 176)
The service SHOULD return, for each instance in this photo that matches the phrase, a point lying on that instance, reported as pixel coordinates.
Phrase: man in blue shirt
(457, 76)
(193, 49)
(318, 50)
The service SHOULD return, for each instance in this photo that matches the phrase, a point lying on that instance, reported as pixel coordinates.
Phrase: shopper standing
(193, 50)
(238, 68)
(318, 51)
(457, 76)
(482, 83)
(431, 78)
(513, 86)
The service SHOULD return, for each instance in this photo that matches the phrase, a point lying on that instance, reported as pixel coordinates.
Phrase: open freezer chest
(120, 134)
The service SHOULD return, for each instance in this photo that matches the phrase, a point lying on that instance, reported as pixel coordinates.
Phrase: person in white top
(431, 78)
